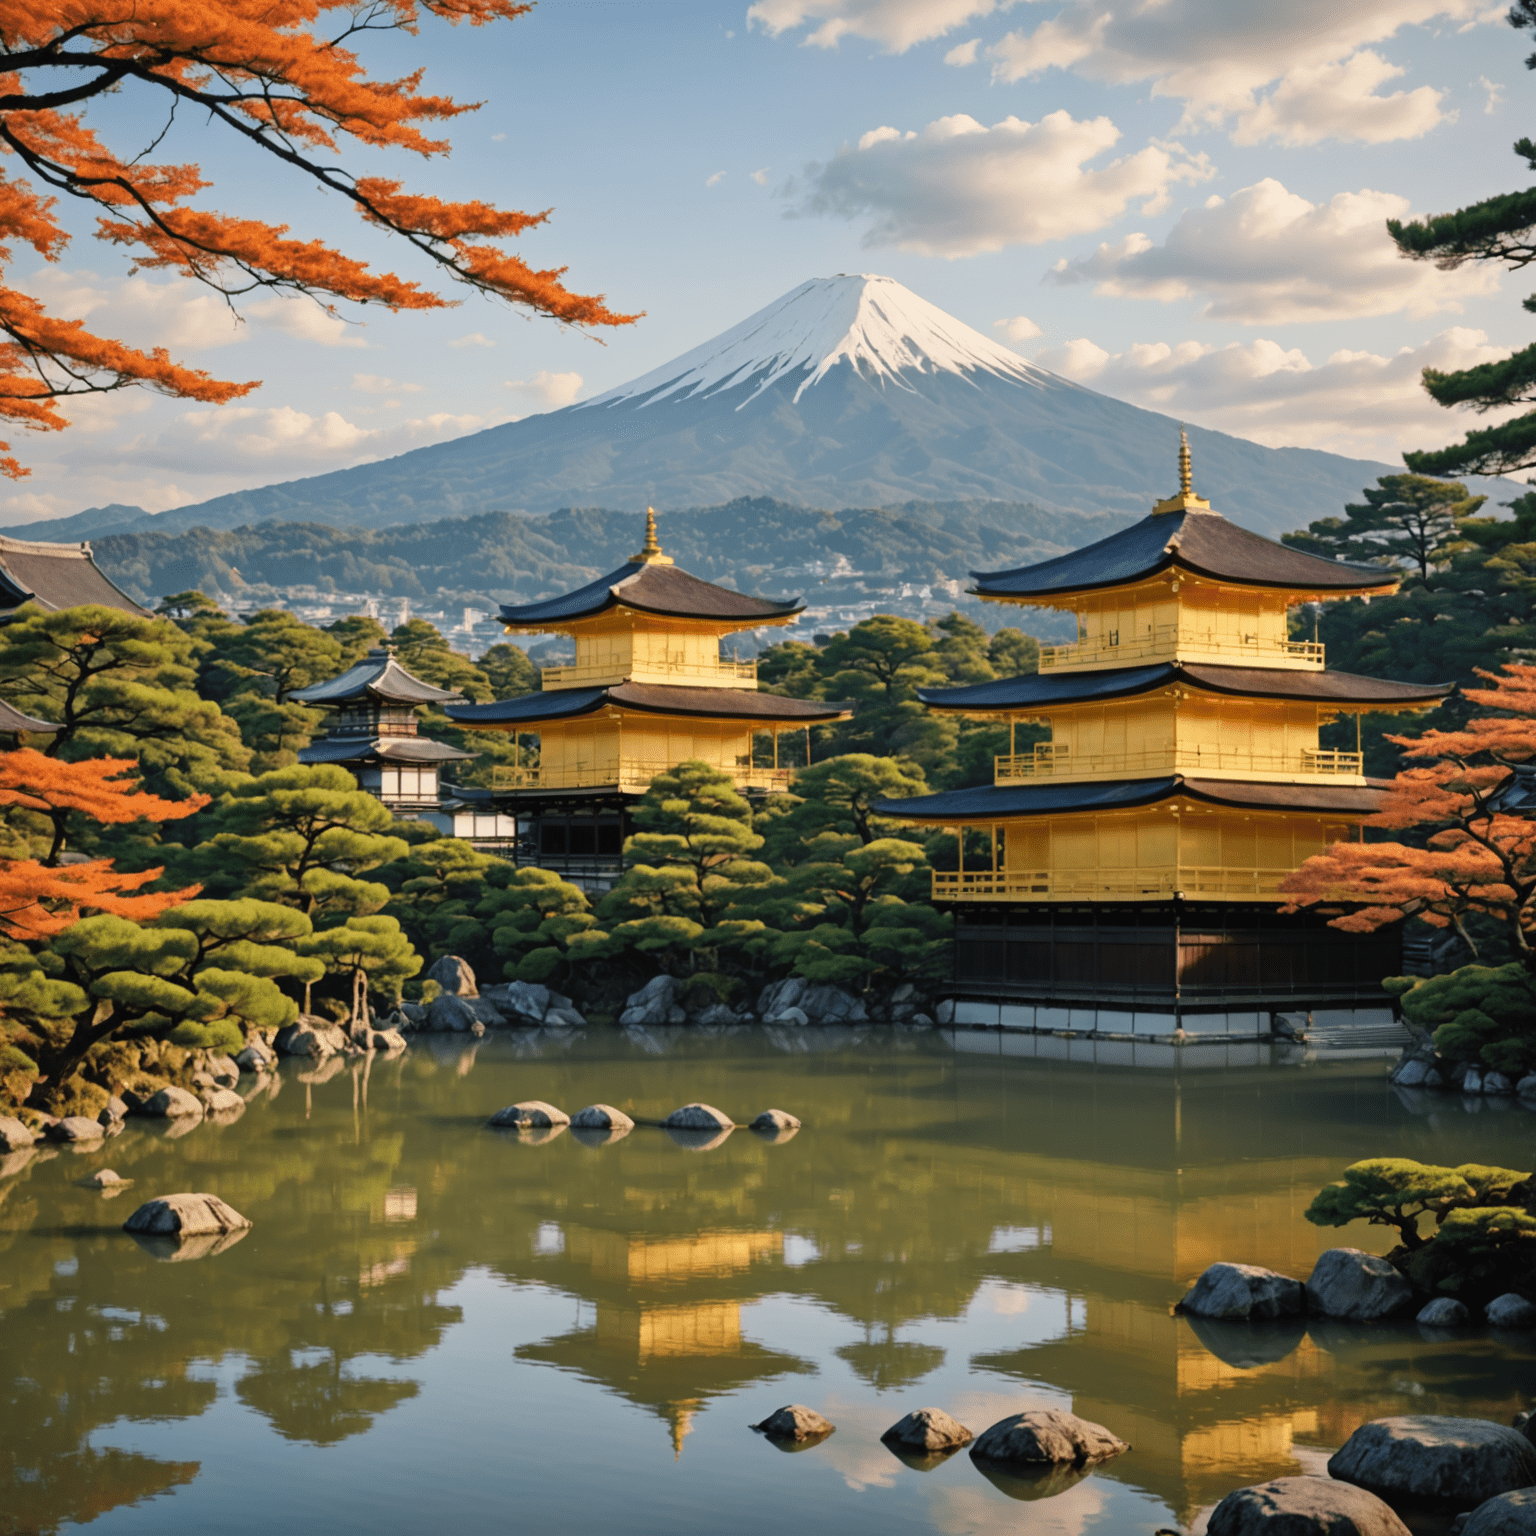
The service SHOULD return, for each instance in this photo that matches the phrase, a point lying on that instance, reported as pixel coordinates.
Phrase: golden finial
(1186, 500)
(650, 551)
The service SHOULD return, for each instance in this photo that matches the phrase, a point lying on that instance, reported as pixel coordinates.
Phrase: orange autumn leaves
(280, 75)
(1474, 858)
(38, 900)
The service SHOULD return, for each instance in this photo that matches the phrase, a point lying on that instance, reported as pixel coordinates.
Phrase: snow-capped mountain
(850, 391)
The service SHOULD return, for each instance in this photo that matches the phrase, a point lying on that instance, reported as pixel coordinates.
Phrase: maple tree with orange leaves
(1474, 852)
(106, 789)
(38, 902)
(268, 73)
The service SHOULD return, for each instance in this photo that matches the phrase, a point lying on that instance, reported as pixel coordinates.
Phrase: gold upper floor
(640, 649)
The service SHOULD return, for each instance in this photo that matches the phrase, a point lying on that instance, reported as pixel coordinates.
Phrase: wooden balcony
(631, 777)
(1203, 882)
(1051, 761)
(1176, 642)
(678, 674)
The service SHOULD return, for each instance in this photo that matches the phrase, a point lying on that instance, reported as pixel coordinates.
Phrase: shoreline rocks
(1443, 1312)
(1509, 1514)
(1046, 1437)
(1357, 1286)
(1436, 1461)
(1304, 1506)
(1244, 1291)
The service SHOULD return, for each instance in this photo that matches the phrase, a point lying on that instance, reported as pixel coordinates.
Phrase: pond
(431, 1320)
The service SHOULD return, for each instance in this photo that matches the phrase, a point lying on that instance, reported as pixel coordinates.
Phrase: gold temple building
(1124, 875)
(649, 689)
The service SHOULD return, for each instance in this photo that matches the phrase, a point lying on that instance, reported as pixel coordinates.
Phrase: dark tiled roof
(1202, 542)
(380, 749)
(651, 588)
(12, 720)
(651, 699)
(57, 576)
(1041, 690)
(377, 676)
(991, 802)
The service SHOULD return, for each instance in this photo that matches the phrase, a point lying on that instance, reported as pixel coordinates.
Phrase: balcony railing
(1051, 761)
(697, 674)
(630, 776)
(1167, 641)
(1108, 884)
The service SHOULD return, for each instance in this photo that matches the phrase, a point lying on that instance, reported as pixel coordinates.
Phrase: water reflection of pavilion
(665, 1327)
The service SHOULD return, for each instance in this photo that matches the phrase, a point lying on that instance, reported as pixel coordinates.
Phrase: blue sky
(1178, 204)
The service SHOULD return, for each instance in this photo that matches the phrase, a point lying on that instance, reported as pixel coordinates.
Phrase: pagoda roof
(994, 802)
(649, 699)
(57, 576)
(1045, 689)
(1201, 542)
(380, 749)
(379, 677)
(651, 587)
(12, 720)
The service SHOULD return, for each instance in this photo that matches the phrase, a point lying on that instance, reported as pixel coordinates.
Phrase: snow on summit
(881, 327)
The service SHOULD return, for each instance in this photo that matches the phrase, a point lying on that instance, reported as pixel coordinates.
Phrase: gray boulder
(791, 1016)
(944, 1013)
(1526, 1087)
(718, 1014)
(1411, 1073)
(531, 1114)
(655, 1003)
(113, 1111)
(452, 1014)
(1510, 1514)
(453, 975)
(257, 1056)
(224, 1101)
(1353, 1284)
(698, 1117)
(1304, 1506)
(571, 1018)
(172, 1104)
(927, 1429)
(1496, 1082)
(795, 1422)
(1244, 1290)
(1472, 1080)
(105, 1178)
(184, 1216)
(14, 1136)
(1045, 1436)
(778, 996)
(385, 1040)
(1511, 1310)
(774, 1122)
(1439, 1462)
(1443, 1312)
(414, 1014)
(222, 1069)
(521, 1003)
(601, 1117)
(832, 1005)
(310, 1035)
(76, 1128)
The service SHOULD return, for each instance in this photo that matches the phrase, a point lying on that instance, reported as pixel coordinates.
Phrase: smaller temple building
(649, 689)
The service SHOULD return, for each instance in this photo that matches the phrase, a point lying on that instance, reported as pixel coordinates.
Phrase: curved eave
(12, 720)
(381, 749)
(991, 802)
(723, 622)
(652, 699)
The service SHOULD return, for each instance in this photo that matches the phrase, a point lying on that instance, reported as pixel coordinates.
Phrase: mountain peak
(875, 323)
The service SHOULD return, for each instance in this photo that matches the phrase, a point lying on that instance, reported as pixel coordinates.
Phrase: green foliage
(837, 795)
(437, 889)
(509, 671)
(1483, 1015)
(536, 920)
(373, 952)
(1395, 1192)
(356, 634)
(1478, 1253)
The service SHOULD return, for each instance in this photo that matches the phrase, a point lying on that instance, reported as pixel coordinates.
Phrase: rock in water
(1043, 1436)
(698, 1117)
(76, 1128)
(173, 1104)
(601, 1117)
(453, 975)
(531, 1114)
(774, 1122)
(14, 1136)
(184, 1216)
(795, 1422)
(1244, 1290)
(1304, 1506)
(225, 1102)
(1511, 1514)
(927, 1429)
(310, 1035)
(1443, 1463)
(105, 1178)
(1353, 1284)
(257, 1056)
(1443, 1312)
(1511, 1310)
(451, 1014)
(655, 1003)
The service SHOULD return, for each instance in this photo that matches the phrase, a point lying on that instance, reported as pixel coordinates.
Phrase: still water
(433, 1326)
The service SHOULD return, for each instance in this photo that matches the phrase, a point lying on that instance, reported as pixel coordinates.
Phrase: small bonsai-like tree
(1397, 1192)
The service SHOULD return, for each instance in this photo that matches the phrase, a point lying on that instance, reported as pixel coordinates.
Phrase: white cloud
(963, 54)
(710, 181)
(305, 320)
(1356, 403)
(547, 391)
(761, 176)
(1266, 255)
(377, 384)
(958, 188)
(1494, 97)
(474, 339)
(895, 24)
(1016, 329)
(179, 315)
(1218, 58)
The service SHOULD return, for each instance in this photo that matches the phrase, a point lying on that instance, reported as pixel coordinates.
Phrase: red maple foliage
(37, 902)
(265, 71)
(101, 788)
(1473, 851)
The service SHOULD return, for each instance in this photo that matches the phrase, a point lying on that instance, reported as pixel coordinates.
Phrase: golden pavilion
(1124, 875)
(649, 689)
